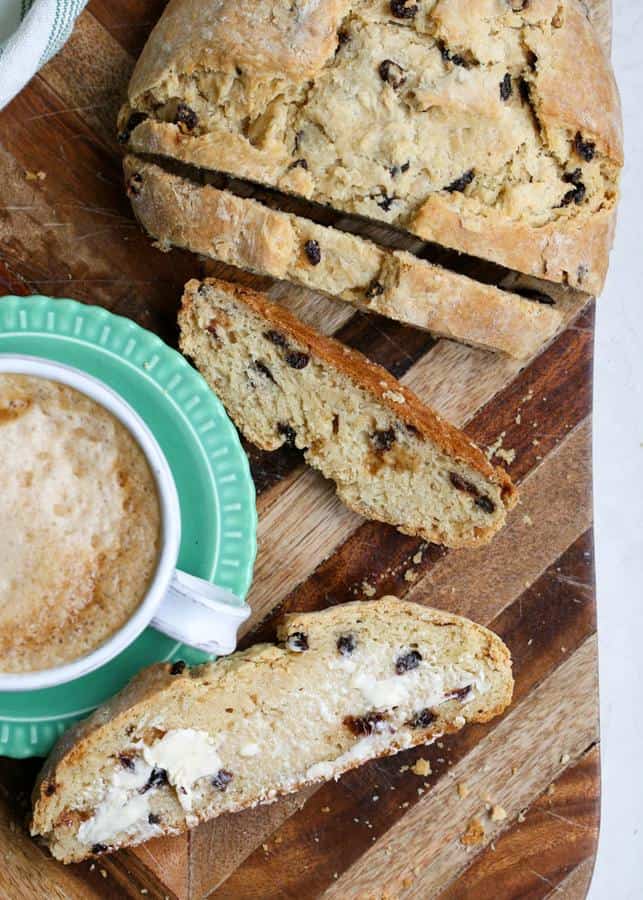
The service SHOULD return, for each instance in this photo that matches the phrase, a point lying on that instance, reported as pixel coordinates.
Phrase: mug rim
(111, 400)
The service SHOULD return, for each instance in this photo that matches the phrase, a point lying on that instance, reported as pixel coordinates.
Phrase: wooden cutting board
(531, 778)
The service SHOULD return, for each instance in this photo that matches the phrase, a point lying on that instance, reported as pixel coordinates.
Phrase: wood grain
(554, 840)
(381, 831)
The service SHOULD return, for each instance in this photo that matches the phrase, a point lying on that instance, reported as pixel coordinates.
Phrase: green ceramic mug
(188, 609)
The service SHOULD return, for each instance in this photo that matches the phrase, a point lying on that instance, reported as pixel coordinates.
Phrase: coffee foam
(80, 522)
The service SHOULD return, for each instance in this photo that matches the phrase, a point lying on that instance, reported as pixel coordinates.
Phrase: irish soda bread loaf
(489, 126)
(242, 232)
(391, 458)
(177, 747)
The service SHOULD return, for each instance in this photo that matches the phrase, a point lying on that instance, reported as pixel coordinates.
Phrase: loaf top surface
(295, 41)
(459, 120)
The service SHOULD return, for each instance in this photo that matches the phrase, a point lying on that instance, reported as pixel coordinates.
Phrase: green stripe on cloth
(31, 32)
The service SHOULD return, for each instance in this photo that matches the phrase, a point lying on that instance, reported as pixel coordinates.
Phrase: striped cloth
(31, 32)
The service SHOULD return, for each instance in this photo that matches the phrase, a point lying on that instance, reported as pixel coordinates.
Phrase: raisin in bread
(490, 126)
(242, 232)
(391, 458)
(178, 746)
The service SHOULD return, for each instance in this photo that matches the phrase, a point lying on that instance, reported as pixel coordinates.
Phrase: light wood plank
(90, 76)
(547, 845)
(168, 859)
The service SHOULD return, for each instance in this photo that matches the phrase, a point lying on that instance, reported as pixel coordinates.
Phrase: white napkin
(30, 34)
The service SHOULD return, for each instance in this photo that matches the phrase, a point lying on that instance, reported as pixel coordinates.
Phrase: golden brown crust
(242, 232)
(391, 393)
(217, 33)
(575, 83)
(292, 46)
(573, 252)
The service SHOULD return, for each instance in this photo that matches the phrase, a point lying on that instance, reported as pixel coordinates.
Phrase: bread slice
(392, 458)
(177, 746)
(465, 122)
(242, 232)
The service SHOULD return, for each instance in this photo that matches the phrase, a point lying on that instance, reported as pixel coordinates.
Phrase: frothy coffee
(80, 522)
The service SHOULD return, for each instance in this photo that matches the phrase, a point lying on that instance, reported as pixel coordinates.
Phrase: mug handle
(201, 614)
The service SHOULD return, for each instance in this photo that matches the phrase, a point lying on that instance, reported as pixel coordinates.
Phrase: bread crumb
(144, 891)
(103, 872)
(35, 176)
(367, 589)
(410, 575)
(463, 789)
(278, 839)
(395, 396)
(518, 419)
(527, 520)
(405, 805)
(404, 768)
(421, 767)
(565, 758)
(514, 770)
(522, 815)
(265, 848)
(375, 798)
(551, 789)
(417, 559)
(506, 455)
(492, 449)
(474, 833)
(325, 809)
(498, 813)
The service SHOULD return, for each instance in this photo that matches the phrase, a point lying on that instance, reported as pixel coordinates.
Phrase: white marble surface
(618, 487)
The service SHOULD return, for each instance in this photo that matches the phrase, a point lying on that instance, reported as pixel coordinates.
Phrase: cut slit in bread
(242, 232)
(392, 458)
(465, 123)
(177, 747)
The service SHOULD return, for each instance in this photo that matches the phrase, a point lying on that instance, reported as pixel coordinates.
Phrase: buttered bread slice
(177, 747)
(242, 232)
(391, 457)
